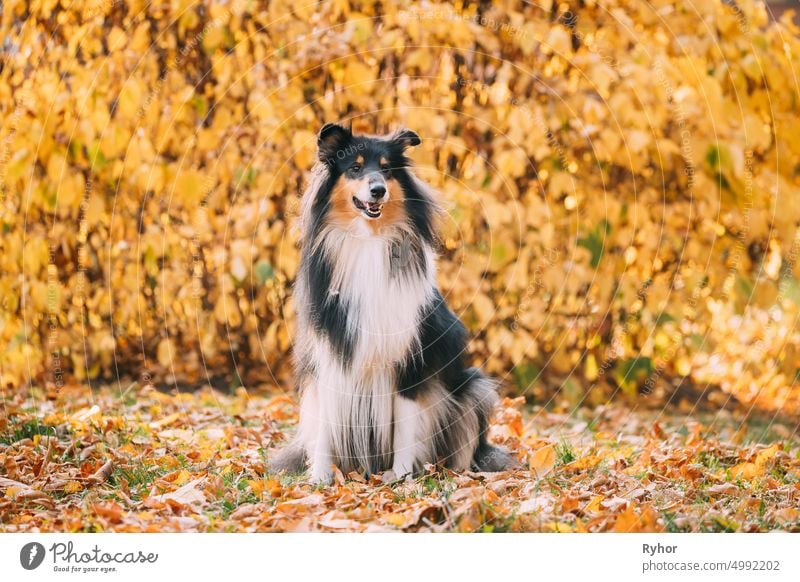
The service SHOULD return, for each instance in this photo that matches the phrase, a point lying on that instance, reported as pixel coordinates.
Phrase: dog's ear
(332, 139)
(405, 138)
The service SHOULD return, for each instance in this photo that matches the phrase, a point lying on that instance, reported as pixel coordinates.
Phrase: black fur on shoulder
(443, 342)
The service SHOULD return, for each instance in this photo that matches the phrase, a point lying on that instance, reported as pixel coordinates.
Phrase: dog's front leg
(321, 459)
(321, 463)
(407, 423)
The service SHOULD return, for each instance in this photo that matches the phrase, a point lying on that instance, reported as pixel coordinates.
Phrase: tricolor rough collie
(380, 358)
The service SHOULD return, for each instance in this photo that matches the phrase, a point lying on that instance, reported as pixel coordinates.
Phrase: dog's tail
(490, 458)
(291, 458)
(487, 457)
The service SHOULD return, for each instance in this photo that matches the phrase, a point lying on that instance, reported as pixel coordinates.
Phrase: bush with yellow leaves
(620, 177)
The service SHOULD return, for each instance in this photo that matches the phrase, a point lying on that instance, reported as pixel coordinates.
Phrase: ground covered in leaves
(137, 459)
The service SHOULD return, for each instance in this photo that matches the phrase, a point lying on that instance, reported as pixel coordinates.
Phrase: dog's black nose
(377, 191)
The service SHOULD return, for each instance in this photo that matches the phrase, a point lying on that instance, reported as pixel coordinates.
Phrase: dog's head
(365, 184)
(368, 171)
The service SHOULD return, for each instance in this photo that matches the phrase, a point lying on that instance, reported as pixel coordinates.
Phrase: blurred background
(621, 181)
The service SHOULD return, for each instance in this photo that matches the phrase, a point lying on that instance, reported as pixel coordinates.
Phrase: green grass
(237, 493)
(709, 460)
(442, 484)
(428, 485)
(671, 526)
(719, 525)
(138, 475)
(565, 453)
(27, 430)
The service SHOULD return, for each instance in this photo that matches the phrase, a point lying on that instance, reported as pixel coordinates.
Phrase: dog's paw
(396, 474)
(388, 476)
(321, 477)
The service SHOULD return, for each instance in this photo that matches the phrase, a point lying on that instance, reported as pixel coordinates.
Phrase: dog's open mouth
(368, 209)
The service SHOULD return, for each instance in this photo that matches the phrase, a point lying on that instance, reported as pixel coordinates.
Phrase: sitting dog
(380, 358)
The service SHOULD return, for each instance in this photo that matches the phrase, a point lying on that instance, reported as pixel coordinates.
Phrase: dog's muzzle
(372, 196)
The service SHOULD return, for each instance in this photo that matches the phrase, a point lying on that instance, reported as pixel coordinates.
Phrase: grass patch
(139, 476)
(27, 430)
(565, 453)
(237, 493)
(671, 526)
(443, 485)
(709, 461)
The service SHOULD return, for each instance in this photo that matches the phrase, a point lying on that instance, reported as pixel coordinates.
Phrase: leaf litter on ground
(77, 459)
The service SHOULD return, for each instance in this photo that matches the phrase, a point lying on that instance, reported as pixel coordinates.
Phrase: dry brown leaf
(190, 495)
(5, 482)
(110, 510)
(629, 521)
(245, 511)
(542, 461)
(724, 489)
(583, 463)
(166, 421)
(103, 473)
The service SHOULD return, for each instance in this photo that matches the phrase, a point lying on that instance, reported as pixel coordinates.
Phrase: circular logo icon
(31, 555)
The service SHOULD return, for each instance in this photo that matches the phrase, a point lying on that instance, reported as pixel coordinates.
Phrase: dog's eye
(355, 168)
(385, 167)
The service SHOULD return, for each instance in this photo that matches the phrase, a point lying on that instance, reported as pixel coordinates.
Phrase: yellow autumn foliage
(621, 179)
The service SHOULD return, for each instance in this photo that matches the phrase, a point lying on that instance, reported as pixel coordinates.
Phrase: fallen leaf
(188, 495)
(646, 520)
(542, 461)
(5, 482)
(582, 464)
(110, 510)
(246, 510)
(73, 487)
(103, 473)
(594, 504)
(558, 527)
(396, 519)
(724, 489)
(167, 420)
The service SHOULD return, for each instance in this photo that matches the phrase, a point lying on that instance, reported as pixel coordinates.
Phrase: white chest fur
(383, 305)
